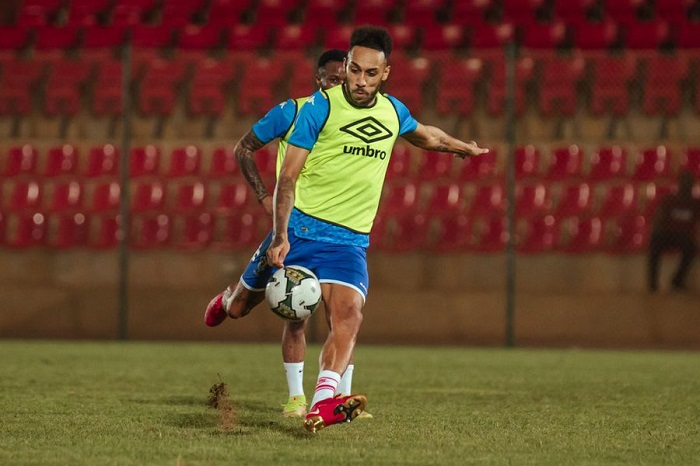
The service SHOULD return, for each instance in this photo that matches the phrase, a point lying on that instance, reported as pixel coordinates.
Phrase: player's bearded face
(366, 70)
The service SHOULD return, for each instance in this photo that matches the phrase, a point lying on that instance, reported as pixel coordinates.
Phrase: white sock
(345, 385)
(295, 377)
(325, 386)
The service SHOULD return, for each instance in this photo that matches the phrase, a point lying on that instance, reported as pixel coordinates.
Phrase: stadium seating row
(558, 163)
(602, 84)
(400, 233)
(585, 36)
(277, 13)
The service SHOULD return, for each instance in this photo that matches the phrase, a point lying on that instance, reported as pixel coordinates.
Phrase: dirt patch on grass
(219, 400)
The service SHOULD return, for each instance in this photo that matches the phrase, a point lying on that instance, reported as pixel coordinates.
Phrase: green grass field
(84, 403)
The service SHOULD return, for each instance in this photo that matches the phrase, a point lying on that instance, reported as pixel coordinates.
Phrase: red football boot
(334, 410)
(215, 313)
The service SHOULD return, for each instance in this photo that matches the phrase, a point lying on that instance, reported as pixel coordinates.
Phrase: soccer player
(239, 298)
(327, 195)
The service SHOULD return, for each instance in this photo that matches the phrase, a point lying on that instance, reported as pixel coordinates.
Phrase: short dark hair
(372, 37)
(331, 55)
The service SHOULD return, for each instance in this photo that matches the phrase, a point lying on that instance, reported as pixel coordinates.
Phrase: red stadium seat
(21, 160)
(532, 199)
(480, 169)
(324, 13)
(148, 196)
(489, 199)
(527, 162)
(237, 232)
(258, 82)
(131, 12)
(295, 37)
(234, 197)
(645, 36)
(302, 69)
(456, 86)
(630, 235)
(544, 35)
(583, 235)
(662, 88)
(673, 11)
(16, 88)
(406, 232)
(65, 197)
(197, 231)
(653, 193)
(497, 85)
(608, 163)
(400, 198)
(652, 163)
(688, 35)
(573, 11)
(558, 83)
(565, 163)
(522, 11)
(575, 200)
(403, 35)
(185, 161)
(610, 79)
(100, 37)
(473, 12)
(445, 198)
(61, 160)
(227, 12)
(381, 11)
(491, 234)
(491, 36)
(105, 198)
(408, 87)
(107, 96)
(25, 196)
(190, 198)
(444, 37)
(67, 231)
(595, 36)
(183, 12)
(63, 87)
(144, 161)
(690, 160)
(87, 12)
(104, 232)
(454, 234)
(147, 36)
(196, 37)
(399, 163)
(246, 37)
(223, 163)
(542, 235)
(151, 231)
(55, 38)
(338, 38)
(13, 38)
(623, 11)
(619, 199)
(276, 13)
(26, 230)
(207, 88)
(102, 161)
(158, 90)
(434, 165)
(423, 12)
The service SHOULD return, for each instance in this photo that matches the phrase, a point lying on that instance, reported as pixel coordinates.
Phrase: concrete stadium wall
(587, 301)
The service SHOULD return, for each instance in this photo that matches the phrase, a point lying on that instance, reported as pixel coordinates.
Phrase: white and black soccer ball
(293, 292)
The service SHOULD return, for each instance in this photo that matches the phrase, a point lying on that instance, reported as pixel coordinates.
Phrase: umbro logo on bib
(368, 130)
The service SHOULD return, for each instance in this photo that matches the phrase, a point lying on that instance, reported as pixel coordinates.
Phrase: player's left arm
(434, 139)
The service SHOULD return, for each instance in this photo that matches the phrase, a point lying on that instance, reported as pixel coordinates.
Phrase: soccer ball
(293, 292)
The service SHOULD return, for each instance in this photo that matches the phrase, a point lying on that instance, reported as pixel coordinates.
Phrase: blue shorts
(332, 263)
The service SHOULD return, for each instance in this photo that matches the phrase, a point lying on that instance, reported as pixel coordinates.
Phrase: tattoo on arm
(284, 201)
(245, 151)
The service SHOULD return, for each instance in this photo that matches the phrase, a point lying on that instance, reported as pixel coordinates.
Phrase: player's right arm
(312, 117)
(244, 151)
(273, 125)
(283, 203)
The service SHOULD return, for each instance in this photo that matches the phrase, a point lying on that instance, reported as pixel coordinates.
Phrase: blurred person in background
(241, 297)
(675, 229)
(327, 195)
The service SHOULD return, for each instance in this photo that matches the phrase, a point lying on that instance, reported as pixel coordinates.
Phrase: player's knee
(347, 317)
